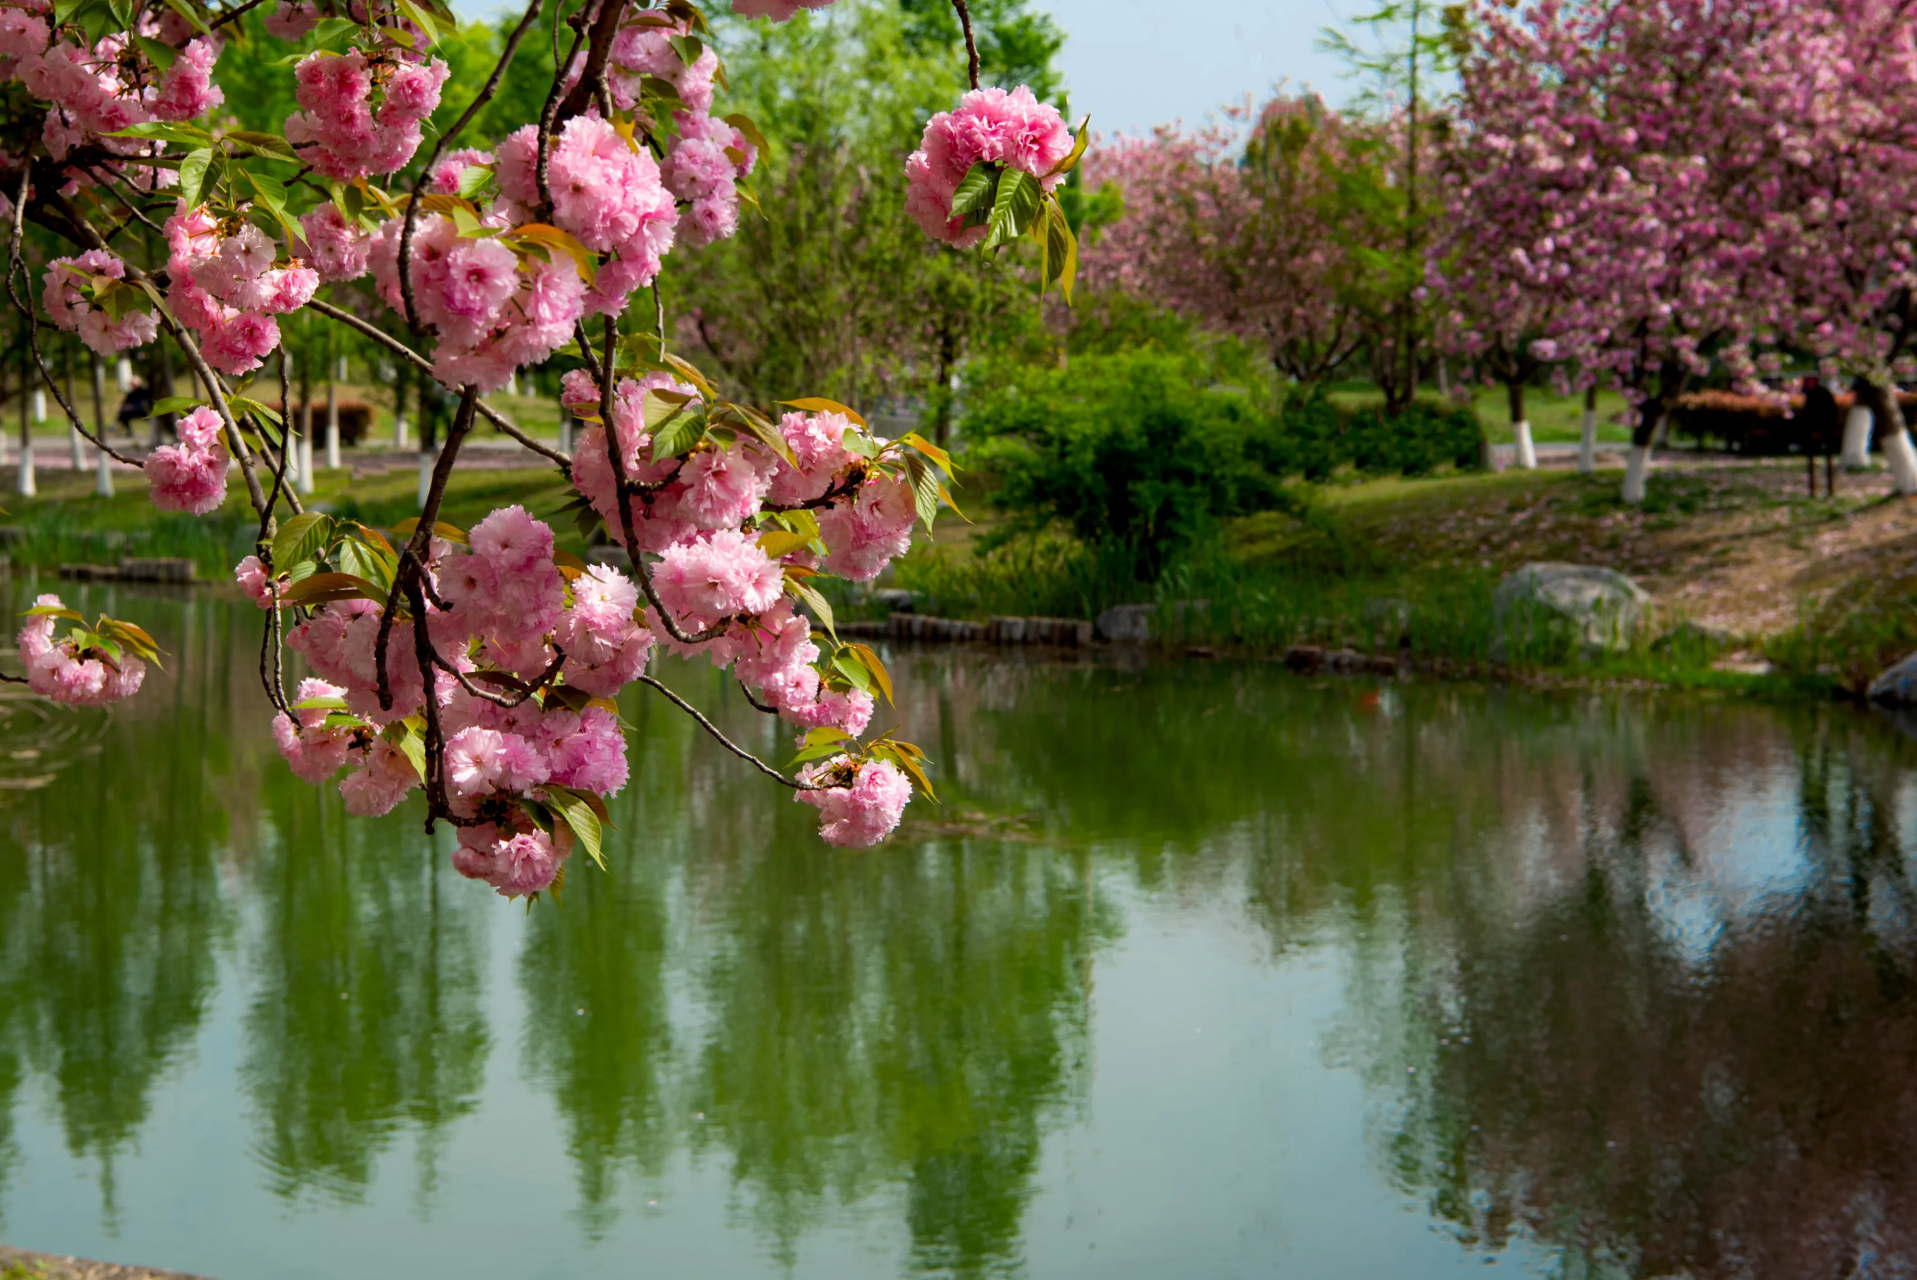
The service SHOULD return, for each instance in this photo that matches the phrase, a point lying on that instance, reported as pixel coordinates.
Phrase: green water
(1202, 971)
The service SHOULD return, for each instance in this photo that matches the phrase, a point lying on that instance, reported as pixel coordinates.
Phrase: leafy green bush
(1313, 437)
(1129, 450)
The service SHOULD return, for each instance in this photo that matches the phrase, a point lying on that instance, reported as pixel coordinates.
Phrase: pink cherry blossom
(1012, 129)
(61, 670)
(863, 813)
(719, 575)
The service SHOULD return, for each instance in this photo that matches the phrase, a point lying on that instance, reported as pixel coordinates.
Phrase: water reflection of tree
(366, 1011)
(111, 911)
(918, 1017)
(1592, 1072)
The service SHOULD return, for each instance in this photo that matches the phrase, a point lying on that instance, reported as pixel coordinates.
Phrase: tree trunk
(164, 388)
(303, 452)
(25, 486)
(1857, 435)
(1637, 466)
(1527, 452)
(1892, 437)
(332, 425)
(1587, 434)
(103, 478)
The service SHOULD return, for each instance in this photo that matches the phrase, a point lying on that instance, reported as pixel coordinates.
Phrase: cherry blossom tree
(1247, 236)
(480, 665)
(1626, 139)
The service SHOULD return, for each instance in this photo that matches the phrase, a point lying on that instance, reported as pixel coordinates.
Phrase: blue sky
(1136, 63)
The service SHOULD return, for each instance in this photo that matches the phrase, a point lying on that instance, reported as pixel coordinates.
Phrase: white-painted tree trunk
(340, 373)
(1637, 468)
(565, 429)
(123, 374)
(26, 486)
(1527, 452)
(332, 424)
(1857, 437)
(305, 452)
(39, 404)
(426, 461)
(399, 431)
(102, 475)
(1587, 443)
(1663, 435)
(512, 379)
(1902, 459)
(76, 448)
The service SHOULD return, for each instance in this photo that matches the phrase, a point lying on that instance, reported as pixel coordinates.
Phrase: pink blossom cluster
(361, 113)
(225, 286)
(190, 476)
(1012, 129)
(508, 610)
(338, 249)
(705, 156)
(69, 308)
(606, 192)
(865, 810)
(290, 22)
(251, 574)
(60, 670)
(109, 86)
(493, 309)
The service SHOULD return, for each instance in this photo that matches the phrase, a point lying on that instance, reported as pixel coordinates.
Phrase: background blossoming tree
(480, 665)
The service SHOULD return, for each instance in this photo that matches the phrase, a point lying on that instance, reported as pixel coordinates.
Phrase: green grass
(1554, 418)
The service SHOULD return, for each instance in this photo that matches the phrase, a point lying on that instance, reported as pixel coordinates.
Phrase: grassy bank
(1745, 568)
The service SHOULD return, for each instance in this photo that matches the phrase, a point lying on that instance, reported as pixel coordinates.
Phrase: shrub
(1126, 449)
(1313, 437)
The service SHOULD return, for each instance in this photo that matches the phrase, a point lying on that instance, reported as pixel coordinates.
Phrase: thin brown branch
(728, 743)
(405, 352)
(971, 45)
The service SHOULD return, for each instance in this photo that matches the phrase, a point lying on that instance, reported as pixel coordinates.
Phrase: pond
(1201, 970)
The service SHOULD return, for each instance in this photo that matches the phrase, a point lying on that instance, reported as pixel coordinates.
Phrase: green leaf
(331, 30)
(745, 125)
(160, 55)
(972, 201)
(475, 180)
(811, 597)
(323, 588)
(819, 752)
(819, 404)
(242, 405)
(361, 560)
(925, 487)
(299, 538)
(578, 813)
(1013, 208)
(324, 702)
(689, 48)
(272, 191)
(420, 20)
(159, 131)
(177, 404)
(907, 757)
(191, 15)
(847, 664)
(269, 144)
(52, 611)
(782, 542)
(1077, 153)
(407, 735)
(870, 660)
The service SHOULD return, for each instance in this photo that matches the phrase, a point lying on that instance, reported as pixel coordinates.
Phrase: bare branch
(728, 743)
(971, 45)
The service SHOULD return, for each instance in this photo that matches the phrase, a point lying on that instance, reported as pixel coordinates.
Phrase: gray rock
(1126, 622)
(894, 600)
(1897, 686)
(1602, 607)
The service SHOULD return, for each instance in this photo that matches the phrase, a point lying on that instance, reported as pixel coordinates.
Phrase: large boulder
(1601, 608)
(1897, 686)
(1126, 623)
